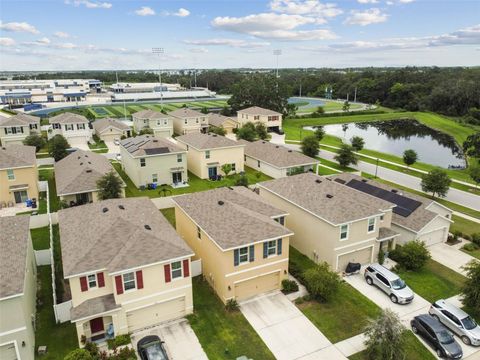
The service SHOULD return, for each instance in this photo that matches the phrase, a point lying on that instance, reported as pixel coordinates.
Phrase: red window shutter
(166, 269)
(83, 283)
(101, 279)
(139, 279)
(186, 269)
(119, 284)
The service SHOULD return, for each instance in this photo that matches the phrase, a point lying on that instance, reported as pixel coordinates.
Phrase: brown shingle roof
(218, 120)
(233, 216)
(102, 124)
(14, 242)
(19, 120)
(80, 171)
(68, 118)
(276, 155)
(104, 236)
(149, 114)
(92, 307)
(149, 145)
(17, 156)
(207, 141)
(185, 113)
(256, 110)
(326, 199)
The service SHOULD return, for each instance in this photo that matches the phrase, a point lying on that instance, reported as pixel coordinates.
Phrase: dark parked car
(437, 336)
(151, 348)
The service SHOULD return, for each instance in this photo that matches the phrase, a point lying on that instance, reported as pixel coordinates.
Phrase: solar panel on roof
(155, 151)
(405, 206)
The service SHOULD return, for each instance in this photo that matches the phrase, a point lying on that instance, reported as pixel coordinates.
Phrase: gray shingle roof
(19, 120)
(68, 118)
(94, 306)
(14, 238)
(326, 199)
(218, 120)
(207, 141)
(185, 113)
(149, 145)
(149, 114)
(79, 172)
(117, 239)
(386, 233)
(256, 110)
(102, 124)
(276, 155)
(241, 218)
(17, 156)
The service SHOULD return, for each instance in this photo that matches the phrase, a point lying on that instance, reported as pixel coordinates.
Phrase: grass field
(329, 106)
(40, 238)
(464, 226)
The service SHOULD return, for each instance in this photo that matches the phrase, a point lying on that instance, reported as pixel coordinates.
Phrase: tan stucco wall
(93, 196)
(434, 232)
(159, 127)
(192, 125)
(217, 265)
(265, 168)
(22, 176)
(16, 139)
(244, 118)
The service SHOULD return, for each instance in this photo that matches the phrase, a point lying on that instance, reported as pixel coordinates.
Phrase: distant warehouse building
(163, 95)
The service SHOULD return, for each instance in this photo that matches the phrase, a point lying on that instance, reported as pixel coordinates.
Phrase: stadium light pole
(277, 53)
(159, 51)
(124, 106)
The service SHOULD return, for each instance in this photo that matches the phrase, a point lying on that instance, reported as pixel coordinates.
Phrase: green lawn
(60, 339)
(223, 335)
(195, 183)
(435, 281)
(40, 238)
(474, 253)
(415, 350)
(344, 316)
(464, 226)
(169, 215)
(48, 175)
(329, 106)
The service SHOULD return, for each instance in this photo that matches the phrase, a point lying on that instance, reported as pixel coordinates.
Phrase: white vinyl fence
(43, 257)
(196, 267)
(62, 311)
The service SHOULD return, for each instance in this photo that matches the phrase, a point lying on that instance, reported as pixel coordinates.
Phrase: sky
(120, 34)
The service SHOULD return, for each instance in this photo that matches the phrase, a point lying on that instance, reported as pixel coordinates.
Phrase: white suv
(389, 283)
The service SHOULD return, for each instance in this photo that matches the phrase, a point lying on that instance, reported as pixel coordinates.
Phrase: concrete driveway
(450, 256)
(285, 330)
(181, 342)
(112, 148)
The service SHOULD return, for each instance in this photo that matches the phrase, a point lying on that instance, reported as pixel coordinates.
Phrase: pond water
(396, 136)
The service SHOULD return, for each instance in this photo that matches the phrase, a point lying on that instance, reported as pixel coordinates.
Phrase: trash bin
(34, 203)
(28, 203)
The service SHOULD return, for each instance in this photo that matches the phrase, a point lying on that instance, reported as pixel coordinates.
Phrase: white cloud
(64, 46)
(44, 41)
(61, 35)
(199, 50)
(367, 1)
(406, 1)
(5, 41)
(227, 42)
(145, 11)
(19, 27)
(311, 8)
(182, 12)
(366, 17)
(89, 4)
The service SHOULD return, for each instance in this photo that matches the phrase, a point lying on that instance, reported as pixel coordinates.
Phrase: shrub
(321, 282)
(78, 354)
(289, 286)
(57, 147)
(35, 140)
(146, 131)
(119, 341)
(92, 348)
(381, 257)
(299, 301)
(412, 256)
(471, 288)
(476, 238)
(242, 181)
(470, 247)
(231, 305)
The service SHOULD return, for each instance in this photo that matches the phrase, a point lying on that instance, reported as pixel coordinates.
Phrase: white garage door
(162, 133)
(7, 352)
(434, 237)
(363, 256)
(156, 314)
(110, 137)
(256, 286)
(78, 142)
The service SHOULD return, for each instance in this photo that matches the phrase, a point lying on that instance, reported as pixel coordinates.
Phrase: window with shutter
(265, 250)
(166, 270)
(83, 283)
(236, 257)
(279, 247)
(101, 279)
(251, 253)
(139, 276)
(186, 268)
(119, 284)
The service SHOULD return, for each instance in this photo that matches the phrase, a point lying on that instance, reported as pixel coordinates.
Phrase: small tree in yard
(384, 337)
(412, 256)
(346, 156)
(409, 157)
(310, 146)
(109, 186)
(146, 131)
(261, 130)
(78, 354)
(471, 287)
(57, 147)
(346, 106)
(319, 133)
(217, 130)
(321, 282)
(437, 182)
(242, 180)
(226, 168)
(474, 172)
(357, 143)
(247, 132)
(35, 140)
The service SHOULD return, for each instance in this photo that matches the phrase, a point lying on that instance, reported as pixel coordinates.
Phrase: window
(371, 225)
(344, 232)
(199, 233)
(186, 121)
(207, 154)
(69, 127)
(80, 127)
(272, 247)
(129, 281)
(233, 167)
(142, 162)
(92, 281)
(158, 122)
(244, 157)
(280, 220)
(196, 120)
(179, 157)
(381, 217)
(383, 279)
(10, 174)
(243, 255)
(154, 178)
(256, 117)
(165, 122)
(177, 269)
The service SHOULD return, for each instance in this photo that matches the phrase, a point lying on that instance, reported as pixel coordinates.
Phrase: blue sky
(114, 34)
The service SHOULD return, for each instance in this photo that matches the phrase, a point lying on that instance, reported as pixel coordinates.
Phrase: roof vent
(89, 170)
(229, 187)
(214, 135)
(277, 146)
(90, 163)
(147, 227)
(329, 196)
(364, 180)
(104, 210)
(155, 140)
(318, 181)
(220, 202)
(121, 207)
(394, 191)
(81, 164)
(263, 142)
(79, 157)
(289, 150)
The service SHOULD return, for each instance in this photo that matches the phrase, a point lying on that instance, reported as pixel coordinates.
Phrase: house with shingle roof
(160, 123)
(14, 129)
(207, 153)
(332, 222)
(240, 238)
(151, 160)
(18, 286)
(186, 121)
(108, 129)
(224, 122)
(18, 174)
(276, 160)
(73, 127)
(414, 217)
(126, 267)
(271, 119)
(77, 174)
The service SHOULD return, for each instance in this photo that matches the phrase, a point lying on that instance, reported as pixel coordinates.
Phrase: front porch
(98, 330)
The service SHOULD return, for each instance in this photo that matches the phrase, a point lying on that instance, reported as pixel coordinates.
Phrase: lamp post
(159, 51)
(376, 168)
(277, 53)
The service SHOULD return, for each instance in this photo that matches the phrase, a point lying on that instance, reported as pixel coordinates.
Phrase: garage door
(162, 134)
(110, 137)
(155, 314)
(434, 237)
(256, 286)
(11, 142)
(363, 256)
(78, 142)
(7, 352)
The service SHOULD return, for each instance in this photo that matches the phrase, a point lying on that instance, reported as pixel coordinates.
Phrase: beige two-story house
(73, 127)
(18, 286)
(224, 122)
(126, 267)
(161, 124)
(271, 119)
(150, 160)
(332, 222)
(241, 240)
(207, 153)
(18, 174)
(15, 129)
(186, 121)
(109, 130)
(76, 177)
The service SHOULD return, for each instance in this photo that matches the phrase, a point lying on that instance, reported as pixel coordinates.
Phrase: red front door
(96, 325)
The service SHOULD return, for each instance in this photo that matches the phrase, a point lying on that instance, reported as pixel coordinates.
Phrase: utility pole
(300, 89)
(355, 97)
(195, 77)
(277, 53)
(124, 106)
(159, 52)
